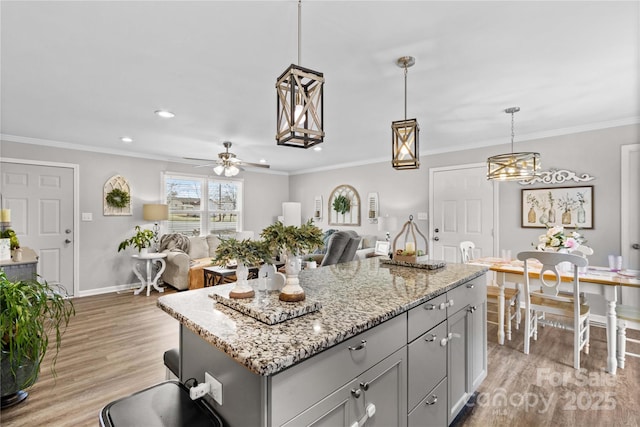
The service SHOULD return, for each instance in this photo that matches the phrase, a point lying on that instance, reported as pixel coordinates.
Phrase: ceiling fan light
(219, 169)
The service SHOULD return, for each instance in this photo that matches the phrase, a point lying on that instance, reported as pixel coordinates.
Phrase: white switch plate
(215, 387)
(87, 216)
(423, 216)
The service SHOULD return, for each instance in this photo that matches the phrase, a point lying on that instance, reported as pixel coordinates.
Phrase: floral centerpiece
(556, 239)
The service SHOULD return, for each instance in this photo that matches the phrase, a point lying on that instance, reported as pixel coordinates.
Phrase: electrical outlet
(198, 391)
(215, 387)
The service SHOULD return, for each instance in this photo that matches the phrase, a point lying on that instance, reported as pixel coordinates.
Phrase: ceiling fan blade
(257, 165)
(201, 160)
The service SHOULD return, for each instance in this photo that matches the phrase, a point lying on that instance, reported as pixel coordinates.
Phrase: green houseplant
(245, 253)
(142, 239)
(293, 241)
(11, 235)
(31, 312)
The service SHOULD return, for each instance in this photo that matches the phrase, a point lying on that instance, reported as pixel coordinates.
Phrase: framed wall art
(565, 206)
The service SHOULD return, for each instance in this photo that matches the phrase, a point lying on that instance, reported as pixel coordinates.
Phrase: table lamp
(155, 213)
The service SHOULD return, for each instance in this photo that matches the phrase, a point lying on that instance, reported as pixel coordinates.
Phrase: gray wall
(406, 192)
(101, 266)
(401, 193)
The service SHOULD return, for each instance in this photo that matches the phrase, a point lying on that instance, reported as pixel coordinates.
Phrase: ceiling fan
(227, 164)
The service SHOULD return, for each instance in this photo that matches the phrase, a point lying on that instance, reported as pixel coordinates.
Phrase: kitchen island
(371, 316)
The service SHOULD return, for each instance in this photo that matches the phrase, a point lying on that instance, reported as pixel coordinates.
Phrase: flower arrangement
(556, 239)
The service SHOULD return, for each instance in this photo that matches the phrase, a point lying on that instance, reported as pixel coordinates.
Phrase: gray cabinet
(467, 340)
(418, 369)
(376, 397)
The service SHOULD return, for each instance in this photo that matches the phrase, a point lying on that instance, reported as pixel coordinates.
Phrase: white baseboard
(110, 289)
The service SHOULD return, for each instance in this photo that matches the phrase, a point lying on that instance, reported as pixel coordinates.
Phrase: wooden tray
(415, 262)
(265, 306)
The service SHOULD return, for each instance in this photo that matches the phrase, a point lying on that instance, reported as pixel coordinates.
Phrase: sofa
(344, 246)
(187, 256)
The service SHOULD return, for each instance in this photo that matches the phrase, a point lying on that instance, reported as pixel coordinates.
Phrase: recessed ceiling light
(263, 161)
(126, 139)
(165, 114)
(317, 148)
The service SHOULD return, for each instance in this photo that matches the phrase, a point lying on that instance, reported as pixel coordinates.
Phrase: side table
(150, 280)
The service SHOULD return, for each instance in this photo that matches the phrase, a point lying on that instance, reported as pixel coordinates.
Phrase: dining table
(593, 280)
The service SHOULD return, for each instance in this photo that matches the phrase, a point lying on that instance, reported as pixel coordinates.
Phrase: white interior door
(462, 204)
(41, 199)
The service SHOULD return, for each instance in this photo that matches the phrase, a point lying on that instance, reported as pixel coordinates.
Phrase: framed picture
(382, 247)
(566, 206)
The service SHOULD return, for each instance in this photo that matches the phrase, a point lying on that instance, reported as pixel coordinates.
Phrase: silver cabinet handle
(364, 386)
(470, 286)
(433, 402)
(432, 339)
(360, 346)
(355, 393)
(472, 308)
(429, 307)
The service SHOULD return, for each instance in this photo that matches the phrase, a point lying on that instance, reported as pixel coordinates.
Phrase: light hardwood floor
(114, 345)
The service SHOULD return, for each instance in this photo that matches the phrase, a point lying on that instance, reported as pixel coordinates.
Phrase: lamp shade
(155, 212)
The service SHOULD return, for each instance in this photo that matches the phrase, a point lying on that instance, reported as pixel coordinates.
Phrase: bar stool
(163, 405)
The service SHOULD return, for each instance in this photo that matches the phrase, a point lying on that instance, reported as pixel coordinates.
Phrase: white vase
(144, 251)
(292, 291)
(242, 288)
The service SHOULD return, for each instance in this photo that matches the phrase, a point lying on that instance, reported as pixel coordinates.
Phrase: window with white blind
(200, 205)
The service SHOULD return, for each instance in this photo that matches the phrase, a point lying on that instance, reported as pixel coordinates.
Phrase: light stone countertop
(355, 296)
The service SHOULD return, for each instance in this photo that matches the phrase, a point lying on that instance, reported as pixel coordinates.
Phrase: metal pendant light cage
(405, 134)
(405, 144)
(300, 107)
(513, 166)
(300, 102)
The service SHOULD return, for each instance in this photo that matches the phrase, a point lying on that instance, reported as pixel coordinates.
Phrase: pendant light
(513, 166)
(300, 103)
(404, 133)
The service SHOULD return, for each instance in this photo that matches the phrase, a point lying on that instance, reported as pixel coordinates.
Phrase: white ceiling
(85, 73)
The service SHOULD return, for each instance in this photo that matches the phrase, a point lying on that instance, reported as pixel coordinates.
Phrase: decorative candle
(5, 215)
(410, 247)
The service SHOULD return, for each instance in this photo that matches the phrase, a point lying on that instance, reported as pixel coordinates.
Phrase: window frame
(205, 212)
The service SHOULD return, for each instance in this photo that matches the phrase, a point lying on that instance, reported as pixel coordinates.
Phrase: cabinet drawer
(432, 410)
(426, 316)
(302, 385)
(471, 292)
(427, 363)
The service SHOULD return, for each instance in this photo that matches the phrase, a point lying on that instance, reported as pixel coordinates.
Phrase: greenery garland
(117, 198)
(341, 204)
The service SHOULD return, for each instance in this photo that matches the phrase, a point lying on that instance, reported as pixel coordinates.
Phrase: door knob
(437, 230)
(436, 238)
(636, 246)
(67, 241)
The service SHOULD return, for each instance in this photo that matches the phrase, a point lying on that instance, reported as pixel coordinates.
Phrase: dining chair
(493, 293)
(568, 309)
(625, 314)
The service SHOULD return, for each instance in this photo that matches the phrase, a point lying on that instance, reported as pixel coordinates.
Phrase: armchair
(186, 258)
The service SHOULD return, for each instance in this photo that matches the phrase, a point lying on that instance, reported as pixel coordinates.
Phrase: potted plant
(14, 243)
(245, 253)
(292, 241)
(30, 313)
(141, 240)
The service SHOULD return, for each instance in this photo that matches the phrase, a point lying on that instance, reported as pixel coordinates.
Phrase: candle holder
(410, 251)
